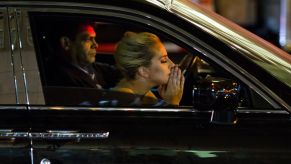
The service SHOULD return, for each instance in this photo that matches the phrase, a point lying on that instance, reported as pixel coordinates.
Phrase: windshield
(272, 59)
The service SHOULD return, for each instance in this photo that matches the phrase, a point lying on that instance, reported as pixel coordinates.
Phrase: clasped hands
(172, 92)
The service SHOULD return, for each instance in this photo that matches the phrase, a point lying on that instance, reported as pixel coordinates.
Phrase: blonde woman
(144, 63)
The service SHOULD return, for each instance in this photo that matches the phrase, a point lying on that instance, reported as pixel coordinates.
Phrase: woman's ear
(143, 72)
(65, 43)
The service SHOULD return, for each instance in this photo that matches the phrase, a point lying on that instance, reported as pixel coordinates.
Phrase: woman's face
(160, 68)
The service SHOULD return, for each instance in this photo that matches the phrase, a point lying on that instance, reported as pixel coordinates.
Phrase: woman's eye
(164, 61)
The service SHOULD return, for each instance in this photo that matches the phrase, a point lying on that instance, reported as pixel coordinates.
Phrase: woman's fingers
(178, 78)
(174, 76)
(182, 82)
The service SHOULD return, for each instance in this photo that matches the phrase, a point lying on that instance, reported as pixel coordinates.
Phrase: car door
(14, 137)
(255, 132)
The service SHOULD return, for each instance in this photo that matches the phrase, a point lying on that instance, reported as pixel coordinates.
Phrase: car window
(203, 77)
(7, 87)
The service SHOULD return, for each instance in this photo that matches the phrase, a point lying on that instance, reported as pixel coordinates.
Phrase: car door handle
(68, 134)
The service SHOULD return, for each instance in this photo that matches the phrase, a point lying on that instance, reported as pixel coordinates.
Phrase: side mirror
(219, 95)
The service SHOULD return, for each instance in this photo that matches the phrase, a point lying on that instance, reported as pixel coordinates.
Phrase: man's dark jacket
(68, 75)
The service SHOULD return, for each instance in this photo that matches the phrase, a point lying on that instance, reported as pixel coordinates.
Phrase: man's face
(84, 46)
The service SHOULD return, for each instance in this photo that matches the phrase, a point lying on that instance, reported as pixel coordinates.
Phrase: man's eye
(88, 39)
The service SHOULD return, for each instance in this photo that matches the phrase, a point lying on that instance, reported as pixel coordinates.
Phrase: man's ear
(65, 43)
(143, 72)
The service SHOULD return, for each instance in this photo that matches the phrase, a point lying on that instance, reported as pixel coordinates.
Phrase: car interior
(199, 74)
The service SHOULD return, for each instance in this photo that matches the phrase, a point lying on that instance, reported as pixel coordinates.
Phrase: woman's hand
(172, 92)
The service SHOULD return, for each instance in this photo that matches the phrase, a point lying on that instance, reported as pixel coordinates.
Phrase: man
(75, 60)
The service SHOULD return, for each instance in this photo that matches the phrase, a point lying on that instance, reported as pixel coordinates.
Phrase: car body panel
(164, 137)
(14, 138)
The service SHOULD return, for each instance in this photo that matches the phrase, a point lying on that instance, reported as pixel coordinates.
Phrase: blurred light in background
(285, 25)
(269, 19)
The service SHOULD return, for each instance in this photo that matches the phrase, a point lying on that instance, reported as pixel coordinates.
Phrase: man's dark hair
(59, 28)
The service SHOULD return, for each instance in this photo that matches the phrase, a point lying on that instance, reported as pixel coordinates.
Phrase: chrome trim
(10, 16)
(12, 107)
(158, 110)
(160, 3)
(69, 135)
(18, 15)
(62, 131)
(31, 155)
(31, 149)
(8, 133)
(246, 111)
(125, 109)
(6, 130)
(45, 161)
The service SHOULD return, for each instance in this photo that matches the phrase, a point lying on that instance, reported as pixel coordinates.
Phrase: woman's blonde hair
(135, 50)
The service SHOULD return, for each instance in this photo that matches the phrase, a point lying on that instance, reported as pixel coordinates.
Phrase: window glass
(7, 88)
(203, 78)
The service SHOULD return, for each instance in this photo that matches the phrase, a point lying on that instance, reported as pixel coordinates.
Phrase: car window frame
(191, 41)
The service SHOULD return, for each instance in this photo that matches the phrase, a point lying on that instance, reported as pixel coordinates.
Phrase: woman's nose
(171, 64)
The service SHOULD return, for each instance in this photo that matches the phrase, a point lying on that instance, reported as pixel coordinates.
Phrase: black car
(235, 108)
